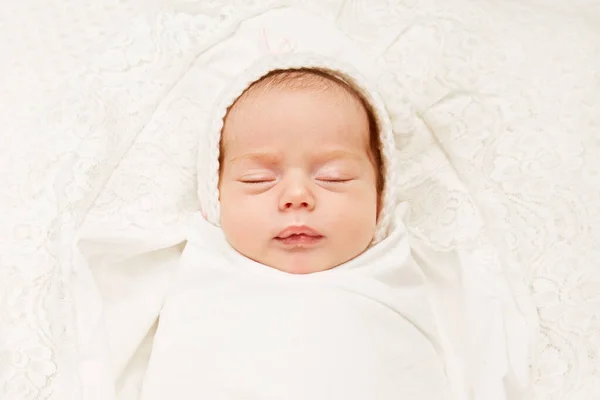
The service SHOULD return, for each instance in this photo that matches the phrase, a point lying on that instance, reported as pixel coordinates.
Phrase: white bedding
(233, 328)
(507, 144)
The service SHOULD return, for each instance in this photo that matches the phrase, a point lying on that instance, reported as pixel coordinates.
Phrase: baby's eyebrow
(263, 157)
(272, 158)
(336, 154)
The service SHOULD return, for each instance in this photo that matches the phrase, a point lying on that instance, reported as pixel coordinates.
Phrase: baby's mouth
(299, 236)
(299, 239)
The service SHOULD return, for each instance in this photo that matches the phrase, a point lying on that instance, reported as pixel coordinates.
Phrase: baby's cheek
(357, 213)
(243, 217)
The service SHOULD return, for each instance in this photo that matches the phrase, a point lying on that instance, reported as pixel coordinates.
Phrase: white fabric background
(511, 91)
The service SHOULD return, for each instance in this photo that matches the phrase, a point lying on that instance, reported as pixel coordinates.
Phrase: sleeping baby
(300, 178)
(303, 287)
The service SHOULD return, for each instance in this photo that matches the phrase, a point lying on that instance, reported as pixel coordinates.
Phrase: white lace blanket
(507, 93)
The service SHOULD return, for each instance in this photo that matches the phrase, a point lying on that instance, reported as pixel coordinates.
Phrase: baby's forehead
(314, 95)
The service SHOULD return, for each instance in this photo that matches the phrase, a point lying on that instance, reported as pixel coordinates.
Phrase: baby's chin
(302, 263)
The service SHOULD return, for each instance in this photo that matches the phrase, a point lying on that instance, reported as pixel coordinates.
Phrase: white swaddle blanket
(232, 328)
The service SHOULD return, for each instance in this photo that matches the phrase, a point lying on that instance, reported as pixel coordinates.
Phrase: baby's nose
(303, 204)
(297, 196)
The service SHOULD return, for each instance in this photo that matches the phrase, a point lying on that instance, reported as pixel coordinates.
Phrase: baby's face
(298, 185)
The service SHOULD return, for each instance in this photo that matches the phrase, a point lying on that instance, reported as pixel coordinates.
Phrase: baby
(294, 296)
(300, 179)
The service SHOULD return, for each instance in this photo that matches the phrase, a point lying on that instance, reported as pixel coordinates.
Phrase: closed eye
(334, 180)
(256, 181)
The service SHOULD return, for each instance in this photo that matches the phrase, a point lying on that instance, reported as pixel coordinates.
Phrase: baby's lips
(298, 230)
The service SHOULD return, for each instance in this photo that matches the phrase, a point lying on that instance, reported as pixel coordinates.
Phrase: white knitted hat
(229, 68)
